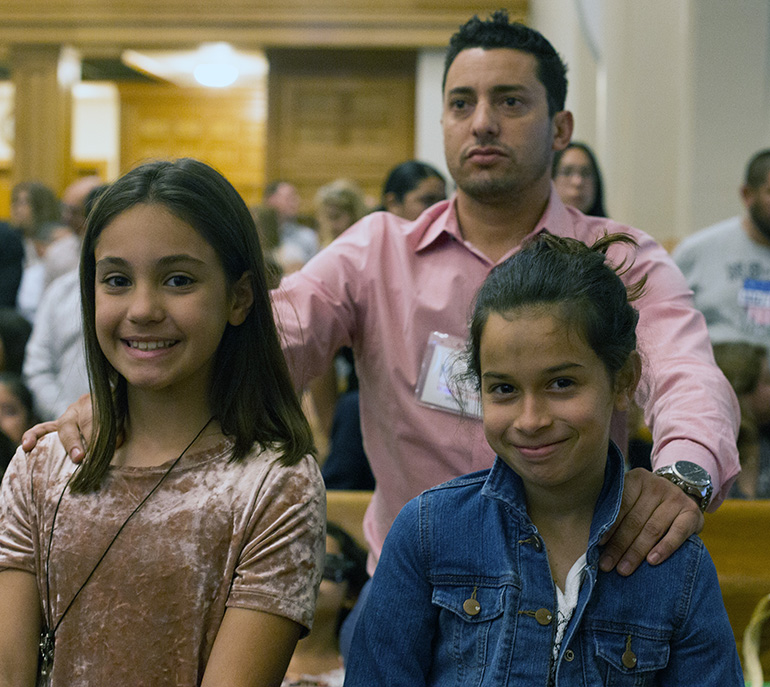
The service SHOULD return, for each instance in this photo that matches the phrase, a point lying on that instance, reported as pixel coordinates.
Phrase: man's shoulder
(710, 238)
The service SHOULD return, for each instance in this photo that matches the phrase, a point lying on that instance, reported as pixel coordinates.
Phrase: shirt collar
(441, 220)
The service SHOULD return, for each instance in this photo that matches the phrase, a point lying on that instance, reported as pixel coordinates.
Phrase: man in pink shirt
(399, 294)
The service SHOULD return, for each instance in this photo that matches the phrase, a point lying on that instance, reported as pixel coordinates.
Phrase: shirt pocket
(468, 631)
(628, 656)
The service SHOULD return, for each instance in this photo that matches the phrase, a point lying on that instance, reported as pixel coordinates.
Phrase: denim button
(543, 616)
(629, 659)
(471, 606)
(569, 655)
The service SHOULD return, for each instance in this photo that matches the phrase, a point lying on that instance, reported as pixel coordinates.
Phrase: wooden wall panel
(339, 114)
(224, 129)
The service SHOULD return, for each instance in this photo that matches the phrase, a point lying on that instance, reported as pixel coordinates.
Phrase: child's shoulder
(42, 465)
(265, 465)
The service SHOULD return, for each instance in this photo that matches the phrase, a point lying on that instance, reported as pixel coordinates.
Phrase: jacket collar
(503, 484)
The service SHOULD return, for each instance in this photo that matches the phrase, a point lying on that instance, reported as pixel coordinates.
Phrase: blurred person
(266, 220)
(578, 180)
(298, 242)
(746, 367)
(411, 188)
(339, 205)
(64, 254)
(33, 204)
(73, 202)
(727, 265)
(17, 412)
(14, 334)
(11, 265)
(55, 366)
(35, 277)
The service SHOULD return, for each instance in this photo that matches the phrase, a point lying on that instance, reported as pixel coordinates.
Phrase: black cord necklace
(48, 633)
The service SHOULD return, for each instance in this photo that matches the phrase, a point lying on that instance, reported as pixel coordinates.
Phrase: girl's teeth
(149, 345)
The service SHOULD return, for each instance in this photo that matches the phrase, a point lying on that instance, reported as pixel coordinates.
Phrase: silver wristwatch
(691, 478)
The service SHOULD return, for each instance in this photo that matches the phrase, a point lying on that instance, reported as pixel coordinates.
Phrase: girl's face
(574, 180)
(14, 418)
(547, 399)
(428, 192)
(162, 301)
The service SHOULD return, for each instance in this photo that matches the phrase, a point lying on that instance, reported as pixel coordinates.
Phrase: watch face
(692, 473)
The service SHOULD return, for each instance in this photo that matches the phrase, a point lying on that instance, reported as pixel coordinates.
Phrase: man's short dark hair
(758, 169)
(499, 32)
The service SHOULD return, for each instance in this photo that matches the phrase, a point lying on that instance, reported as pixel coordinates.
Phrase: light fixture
(213, 65)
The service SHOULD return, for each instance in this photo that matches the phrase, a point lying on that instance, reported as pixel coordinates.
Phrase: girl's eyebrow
(165, 261)
(556, 369)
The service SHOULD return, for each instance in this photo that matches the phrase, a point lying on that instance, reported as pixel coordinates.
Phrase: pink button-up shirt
(386, 284)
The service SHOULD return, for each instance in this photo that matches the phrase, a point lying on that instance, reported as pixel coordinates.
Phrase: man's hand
(655, 518)
(74, 429)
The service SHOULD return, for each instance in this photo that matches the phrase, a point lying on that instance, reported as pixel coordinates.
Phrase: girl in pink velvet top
(187, 548)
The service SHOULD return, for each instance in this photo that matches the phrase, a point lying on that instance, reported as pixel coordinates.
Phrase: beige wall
(675, 101)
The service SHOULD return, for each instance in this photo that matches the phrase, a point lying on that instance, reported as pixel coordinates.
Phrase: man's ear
(389, 200)
(626, 381)
(747, 195)
(242, 299)
(563, 124)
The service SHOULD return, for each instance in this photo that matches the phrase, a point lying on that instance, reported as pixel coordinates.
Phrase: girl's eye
(179, 280)
(502, 389)
(562, 383)
(116, 281)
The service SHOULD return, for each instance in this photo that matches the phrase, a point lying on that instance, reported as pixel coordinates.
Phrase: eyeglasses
(582, 172)
(337, 568)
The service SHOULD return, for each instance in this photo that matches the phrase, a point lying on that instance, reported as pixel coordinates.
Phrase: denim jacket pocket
(470, 629)
(629, 657)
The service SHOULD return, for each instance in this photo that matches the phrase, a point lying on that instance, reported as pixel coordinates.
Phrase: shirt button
(569, 655)
(543, 616)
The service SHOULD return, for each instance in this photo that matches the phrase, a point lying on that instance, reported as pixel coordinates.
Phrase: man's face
(757, 202)
(286, 201)
(498, 136)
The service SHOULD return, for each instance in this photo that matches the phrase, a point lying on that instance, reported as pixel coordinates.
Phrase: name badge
(443, 382)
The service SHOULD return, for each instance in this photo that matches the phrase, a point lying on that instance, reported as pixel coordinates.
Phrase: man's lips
(485, 154)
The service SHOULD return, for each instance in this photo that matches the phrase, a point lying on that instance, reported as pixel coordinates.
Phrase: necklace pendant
(46, 645)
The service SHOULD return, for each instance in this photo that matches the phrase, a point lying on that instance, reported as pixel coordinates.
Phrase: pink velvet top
(215, 535)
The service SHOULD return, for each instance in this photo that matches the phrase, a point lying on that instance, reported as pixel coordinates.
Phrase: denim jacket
(471, 538)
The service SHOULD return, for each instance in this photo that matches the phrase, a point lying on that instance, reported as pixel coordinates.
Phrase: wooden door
(336, 114)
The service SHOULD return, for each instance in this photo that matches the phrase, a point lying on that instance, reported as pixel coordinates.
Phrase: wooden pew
(737, 536)
(347, 508)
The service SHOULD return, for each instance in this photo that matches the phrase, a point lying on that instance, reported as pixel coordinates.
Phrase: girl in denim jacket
(493, 578)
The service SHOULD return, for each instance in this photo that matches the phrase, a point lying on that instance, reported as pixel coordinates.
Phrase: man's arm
(690, 407)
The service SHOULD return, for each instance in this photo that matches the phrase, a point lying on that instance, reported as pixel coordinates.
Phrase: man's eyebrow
(498, 88)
